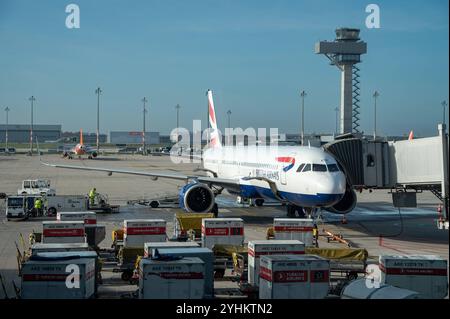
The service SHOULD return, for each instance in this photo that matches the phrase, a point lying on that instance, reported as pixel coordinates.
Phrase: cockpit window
(299, 169)
(333, 168)
(319, 168)
(307, 168)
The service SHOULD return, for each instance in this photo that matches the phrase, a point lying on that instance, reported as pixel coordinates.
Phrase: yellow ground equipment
(347, 261)
(270, 233)
(128, 257)
(229, 254)
(186, 223)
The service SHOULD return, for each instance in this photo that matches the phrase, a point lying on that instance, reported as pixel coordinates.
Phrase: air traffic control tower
(345, 52)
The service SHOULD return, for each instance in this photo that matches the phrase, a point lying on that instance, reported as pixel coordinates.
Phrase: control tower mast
(345, 52)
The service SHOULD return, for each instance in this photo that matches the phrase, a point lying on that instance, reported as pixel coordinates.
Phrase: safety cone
(344, 220)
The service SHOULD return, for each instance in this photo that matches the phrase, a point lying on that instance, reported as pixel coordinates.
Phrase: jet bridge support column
(445, 183)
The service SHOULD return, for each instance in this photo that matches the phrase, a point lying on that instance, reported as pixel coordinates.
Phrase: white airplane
(81, 149)
(302, 177)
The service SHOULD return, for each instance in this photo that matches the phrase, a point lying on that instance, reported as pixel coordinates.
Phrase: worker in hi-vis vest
(92, 195)
(38, 206)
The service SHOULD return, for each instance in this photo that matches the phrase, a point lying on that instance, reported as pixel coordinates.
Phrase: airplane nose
(331, 184)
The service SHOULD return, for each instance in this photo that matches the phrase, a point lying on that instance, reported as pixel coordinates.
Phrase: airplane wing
(222, 182)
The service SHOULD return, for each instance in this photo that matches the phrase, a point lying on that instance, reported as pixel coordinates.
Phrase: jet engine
(346, 204)
(94, 154)
(196, 198)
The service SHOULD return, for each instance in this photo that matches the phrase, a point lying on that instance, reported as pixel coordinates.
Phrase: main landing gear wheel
(215, 210)
(293, 209)
(259, 202)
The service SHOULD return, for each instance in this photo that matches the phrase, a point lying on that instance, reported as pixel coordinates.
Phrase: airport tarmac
(410, 231)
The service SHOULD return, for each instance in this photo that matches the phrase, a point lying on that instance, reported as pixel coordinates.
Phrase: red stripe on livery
(145, 230)
(63, 232)
(413, 271)
(263, 253)
(223, 231)
(293, 228)
(180, 275)
(44, 277)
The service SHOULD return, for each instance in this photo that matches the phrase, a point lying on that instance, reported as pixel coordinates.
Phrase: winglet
(411, 136)
(215, 141)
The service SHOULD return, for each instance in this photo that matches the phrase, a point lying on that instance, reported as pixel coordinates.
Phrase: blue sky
(255, 55)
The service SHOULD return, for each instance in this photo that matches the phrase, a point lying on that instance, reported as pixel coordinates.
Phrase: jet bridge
(404, 167)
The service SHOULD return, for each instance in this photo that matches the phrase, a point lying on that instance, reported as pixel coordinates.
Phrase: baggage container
(426, 274)
(294, 228)
(150, 247)
(89, 218)
(175, 279)
(258, 248)
(63, 232)
(41, 247)
(293, 277)
(205, 254)
(47, 279)
(140, 231)
(49, 256)
(225, 231)
(360, 289)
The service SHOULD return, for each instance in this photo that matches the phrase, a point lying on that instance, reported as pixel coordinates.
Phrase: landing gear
(293, 209)
(90, 157)
(215, 210)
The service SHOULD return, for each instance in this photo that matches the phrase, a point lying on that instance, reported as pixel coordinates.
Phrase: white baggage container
(294, 228)
(47, 279)
(41, 247)
(63, 232)
(150, 247)
(360, 289)
(55, 255)
(203, 253)
(89, 218)
(177, 279)
(294, 277)
(224, 231)
(140, 231)
(258, 248)
(426, 274)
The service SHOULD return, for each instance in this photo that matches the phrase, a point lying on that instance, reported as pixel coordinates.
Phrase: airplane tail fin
(214, 141)
(411, 135)
(81, 136)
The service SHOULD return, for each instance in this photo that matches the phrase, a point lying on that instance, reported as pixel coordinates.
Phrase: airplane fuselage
(318, 183)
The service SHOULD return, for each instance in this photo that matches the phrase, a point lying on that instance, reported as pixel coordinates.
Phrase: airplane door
(289, 163)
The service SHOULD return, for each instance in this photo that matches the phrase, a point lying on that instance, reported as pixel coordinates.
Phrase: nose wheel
(293, 210)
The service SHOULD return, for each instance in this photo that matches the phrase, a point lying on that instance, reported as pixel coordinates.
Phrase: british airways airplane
(302, 177)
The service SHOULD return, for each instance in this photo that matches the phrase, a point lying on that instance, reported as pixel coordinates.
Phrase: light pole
(144, 110)
(6, 133)
(375, 97)
(303, 95)
(229, 127)
(444, 105)
(336, 110)
(32, 99)
(98, 91)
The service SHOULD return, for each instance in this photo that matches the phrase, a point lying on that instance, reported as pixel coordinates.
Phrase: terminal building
(88, 138)
(135, 137)
(20, 133)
